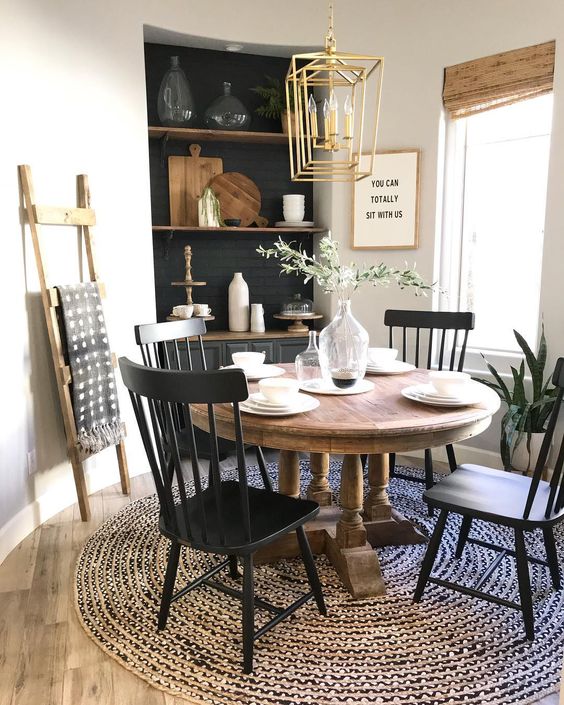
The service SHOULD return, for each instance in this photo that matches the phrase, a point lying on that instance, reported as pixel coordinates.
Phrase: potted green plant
(524, 423)
(274, 105)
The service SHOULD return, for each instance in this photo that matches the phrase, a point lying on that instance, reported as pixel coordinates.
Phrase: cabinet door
(230, 348)
(288, 349)
(212, 352)
(265, 346)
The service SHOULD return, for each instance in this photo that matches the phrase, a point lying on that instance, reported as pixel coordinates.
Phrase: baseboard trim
(59, 497)
(464, 454)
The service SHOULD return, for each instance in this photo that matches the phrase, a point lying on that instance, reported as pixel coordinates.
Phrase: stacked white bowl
(293, 207)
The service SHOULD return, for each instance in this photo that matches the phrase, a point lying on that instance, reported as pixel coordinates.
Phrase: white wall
(72, 76)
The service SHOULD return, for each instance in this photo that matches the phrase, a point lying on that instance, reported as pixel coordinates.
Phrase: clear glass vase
(175, 104)
(343, 346)
(307, 362)
(227, 112)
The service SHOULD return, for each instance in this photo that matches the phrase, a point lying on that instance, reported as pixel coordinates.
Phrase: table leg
(289, 473)
(352, 556)
(319, 489)
(384, 525)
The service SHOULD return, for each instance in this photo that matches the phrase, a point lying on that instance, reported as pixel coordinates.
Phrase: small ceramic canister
(293, 207)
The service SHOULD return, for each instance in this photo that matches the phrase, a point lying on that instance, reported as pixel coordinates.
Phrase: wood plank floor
(45, 657)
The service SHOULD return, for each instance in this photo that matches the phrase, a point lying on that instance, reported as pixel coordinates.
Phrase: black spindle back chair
(224, 517)
(167, 346)
(508, 499)
(428, 338)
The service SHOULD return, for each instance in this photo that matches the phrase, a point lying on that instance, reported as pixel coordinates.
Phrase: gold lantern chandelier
(336, 101)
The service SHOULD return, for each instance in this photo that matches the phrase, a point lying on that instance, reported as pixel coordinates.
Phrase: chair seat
(493, 495)
(271, 515)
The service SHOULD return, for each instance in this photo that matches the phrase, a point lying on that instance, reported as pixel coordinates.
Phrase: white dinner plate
(392, 368)
(300, 406)
(320, 386)
(294, 224)
(260, 401)
(259, 372)
(415, 395)
(428, 391)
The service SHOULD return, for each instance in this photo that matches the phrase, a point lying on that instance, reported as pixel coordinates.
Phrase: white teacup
(379, 356)
(293, 207)
(279, 390)
(202, 310)
(447, 383)
(248, 360)
(184, 311)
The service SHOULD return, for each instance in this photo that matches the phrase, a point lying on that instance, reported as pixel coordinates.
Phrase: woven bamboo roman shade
(498, 80)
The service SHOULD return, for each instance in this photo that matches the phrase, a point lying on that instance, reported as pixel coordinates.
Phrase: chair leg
(168, 588)
(392, 463)
(234, 568)
(430, 555)
(248, 614)
(451, 458)
(311, 570)
(552, 556)
(429, 476)
(524, 584)
(266, 481)
(463, 536)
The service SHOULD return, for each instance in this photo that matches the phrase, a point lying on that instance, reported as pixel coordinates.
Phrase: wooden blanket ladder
(83, 218)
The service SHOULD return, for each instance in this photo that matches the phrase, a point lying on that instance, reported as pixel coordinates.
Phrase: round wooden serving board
(239, 197)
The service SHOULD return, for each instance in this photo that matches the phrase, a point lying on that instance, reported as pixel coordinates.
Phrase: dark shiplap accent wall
(217, 256)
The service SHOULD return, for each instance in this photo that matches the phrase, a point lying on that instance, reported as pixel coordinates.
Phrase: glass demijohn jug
(175, 104)
(227, 112)
(307, 362)
(343, 347)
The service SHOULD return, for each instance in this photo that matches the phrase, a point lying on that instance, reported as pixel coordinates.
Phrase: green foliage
(331, 275)
(274, 96)
(523, 417)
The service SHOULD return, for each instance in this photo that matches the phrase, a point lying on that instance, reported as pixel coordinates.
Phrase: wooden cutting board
(187, 178)
(239, 197)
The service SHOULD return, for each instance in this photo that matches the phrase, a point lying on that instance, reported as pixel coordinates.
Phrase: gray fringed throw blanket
(94, 394)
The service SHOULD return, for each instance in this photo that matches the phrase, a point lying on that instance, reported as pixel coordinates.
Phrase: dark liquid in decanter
(344, 379)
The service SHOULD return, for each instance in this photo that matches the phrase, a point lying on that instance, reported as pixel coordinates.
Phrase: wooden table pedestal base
(346, 535)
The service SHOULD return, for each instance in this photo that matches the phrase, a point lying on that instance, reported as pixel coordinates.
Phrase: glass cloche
(296, 305)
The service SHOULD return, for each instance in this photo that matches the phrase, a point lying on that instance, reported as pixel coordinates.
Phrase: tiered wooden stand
(188, 284)
(82, 217)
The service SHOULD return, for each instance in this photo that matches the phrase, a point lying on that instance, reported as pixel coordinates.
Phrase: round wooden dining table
(374, 423)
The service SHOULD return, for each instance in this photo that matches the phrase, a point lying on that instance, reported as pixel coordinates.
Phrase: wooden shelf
(190, 134)
(195, 229)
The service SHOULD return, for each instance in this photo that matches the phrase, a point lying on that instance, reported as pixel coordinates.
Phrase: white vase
(257, 318)
(238, 303)
(521, 458)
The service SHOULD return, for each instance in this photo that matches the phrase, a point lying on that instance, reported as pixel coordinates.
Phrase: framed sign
(385, 212)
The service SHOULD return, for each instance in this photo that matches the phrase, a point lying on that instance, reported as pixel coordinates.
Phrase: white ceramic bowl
(248, 360)
(379, 355)
(279, 390)
(449, 383)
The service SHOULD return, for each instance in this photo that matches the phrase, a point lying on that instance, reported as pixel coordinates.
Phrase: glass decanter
(175, 104)
(307, 362)
(227, 112)
(343, 347)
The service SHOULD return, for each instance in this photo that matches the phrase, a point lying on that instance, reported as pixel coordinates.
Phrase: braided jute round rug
(448, 649)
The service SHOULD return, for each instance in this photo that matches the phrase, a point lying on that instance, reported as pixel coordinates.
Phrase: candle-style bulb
(333, 115)
(348, 108)
(326, 112)
(312, 107)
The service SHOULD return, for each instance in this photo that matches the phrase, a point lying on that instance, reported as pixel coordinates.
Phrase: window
(496, 193)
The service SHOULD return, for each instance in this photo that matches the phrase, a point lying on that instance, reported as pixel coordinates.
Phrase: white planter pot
(524, 460)
(238, 304)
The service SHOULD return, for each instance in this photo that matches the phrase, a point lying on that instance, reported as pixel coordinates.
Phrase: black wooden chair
(167, 346)
(507, 499)
(226, 517)
(434, 331)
